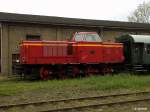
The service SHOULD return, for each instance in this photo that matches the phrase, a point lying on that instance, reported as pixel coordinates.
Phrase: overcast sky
(88, 9)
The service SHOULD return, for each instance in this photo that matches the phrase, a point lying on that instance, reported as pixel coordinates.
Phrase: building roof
(141, 38)
(38, 19)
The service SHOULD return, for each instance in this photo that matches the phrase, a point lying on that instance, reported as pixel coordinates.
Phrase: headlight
(17, 61)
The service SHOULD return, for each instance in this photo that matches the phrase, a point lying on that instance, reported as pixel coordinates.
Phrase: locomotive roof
(38, 19)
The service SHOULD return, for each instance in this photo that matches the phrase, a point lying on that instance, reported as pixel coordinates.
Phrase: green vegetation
(95, 83)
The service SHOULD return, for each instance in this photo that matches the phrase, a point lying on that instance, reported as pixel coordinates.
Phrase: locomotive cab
(86, 37)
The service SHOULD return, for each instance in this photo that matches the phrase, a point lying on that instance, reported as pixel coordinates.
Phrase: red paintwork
(56, 52)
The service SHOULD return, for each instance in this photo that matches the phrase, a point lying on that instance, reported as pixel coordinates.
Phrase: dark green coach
(136, 49)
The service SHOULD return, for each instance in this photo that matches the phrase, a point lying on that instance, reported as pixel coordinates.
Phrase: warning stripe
(101, 45)
(44, 44)
(84, 45)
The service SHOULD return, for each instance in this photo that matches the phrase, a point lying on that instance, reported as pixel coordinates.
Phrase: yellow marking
(85, 45)
(44, 45)
(100, 45)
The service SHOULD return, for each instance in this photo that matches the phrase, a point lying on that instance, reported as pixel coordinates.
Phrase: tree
(141, 14)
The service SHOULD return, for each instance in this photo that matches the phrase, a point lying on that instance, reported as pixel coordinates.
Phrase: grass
(30, 91)
(95, 83)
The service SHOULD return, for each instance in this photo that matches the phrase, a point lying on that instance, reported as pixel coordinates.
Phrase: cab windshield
(88, 37)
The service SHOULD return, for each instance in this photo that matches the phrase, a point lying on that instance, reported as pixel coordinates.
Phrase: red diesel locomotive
(85, 54)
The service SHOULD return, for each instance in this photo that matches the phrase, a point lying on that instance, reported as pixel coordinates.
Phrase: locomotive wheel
(88, 71)
(45, 73)
(75, 72)
(62, 74)
(107, 70)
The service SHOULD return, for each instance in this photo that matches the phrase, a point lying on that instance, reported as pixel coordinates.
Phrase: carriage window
(136, 50)
(148, 49)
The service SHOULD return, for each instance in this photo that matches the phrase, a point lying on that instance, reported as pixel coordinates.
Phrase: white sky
(88, 9)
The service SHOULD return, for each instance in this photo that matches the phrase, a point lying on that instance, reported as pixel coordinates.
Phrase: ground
(26, 91)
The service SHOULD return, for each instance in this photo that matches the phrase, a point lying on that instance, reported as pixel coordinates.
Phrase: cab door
(138, 53)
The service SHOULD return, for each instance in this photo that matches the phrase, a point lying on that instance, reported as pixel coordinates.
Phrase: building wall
(110, 35)
(4, 49)
(12, 35)
(0, 43)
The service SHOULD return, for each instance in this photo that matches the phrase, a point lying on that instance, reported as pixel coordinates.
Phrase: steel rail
(69, 100)
(96, 105)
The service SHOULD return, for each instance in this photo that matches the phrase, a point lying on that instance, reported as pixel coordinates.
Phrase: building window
(33, 37)
(15, 61)
(15, 57)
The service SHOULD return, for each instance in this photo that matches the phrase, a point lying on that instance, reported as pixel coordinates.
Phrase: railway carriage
(136, 51)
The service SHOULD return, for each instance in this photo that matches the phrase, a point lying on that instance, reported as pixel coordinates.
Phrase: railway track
(117, 99)
(96, 105)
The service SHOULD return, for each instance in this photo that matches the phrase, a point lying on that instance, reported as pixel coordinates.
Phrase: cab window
(78, 37)
(89, 37)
